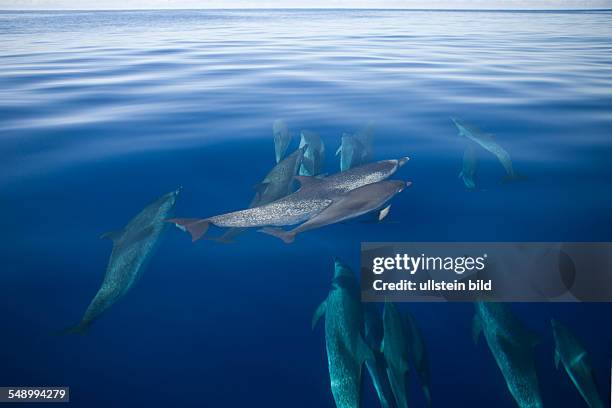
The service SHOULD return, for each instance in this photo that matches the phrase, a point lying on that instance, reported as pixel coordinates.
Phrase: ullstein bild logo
(508, 271)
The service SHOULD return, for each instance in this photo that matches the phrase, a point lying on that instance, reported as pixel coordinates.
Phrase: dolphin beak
(402, 161)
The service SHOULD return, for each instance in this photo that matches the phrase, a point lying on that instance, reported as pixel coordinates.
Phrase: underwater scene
(277, 141)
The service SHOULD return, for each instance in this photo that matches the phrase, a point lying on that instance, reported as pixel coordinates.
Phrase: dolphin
(275, 185)
(314, 155)
(395, 347)
(365, 136)
(352, 204)
(351, 152)
(512, 347)
(282, 138)
(488, 143)
(470, 163)
(132, 248)
(572, 354)
(346, 348)
(313, 197)
(418, 352)
(373, 336)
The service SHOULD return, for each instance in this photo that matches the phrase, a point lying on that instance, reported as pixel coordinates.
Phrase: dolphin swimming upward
(314, 156)
(313, 197)
(346, 348)
(282, 138)
(373, 326)
(132, 248)
(574, 358)
(512, 347)
(488, 143)
(418, 353)
(395, 346)
(275, 185)
(354, 203)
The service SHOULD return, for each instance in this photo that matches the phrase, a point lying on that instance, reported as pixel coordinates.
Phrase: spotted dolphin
(313, 197)
(373, 336)
(277, 184)
(488, 143)
(576, 362)
(468, 171)
(352, 204)
(132, 248)
(512, 347)
(395, 347)
(418, 353)
(346, 348)
(314, 157)
(351, 152)
(282, 138)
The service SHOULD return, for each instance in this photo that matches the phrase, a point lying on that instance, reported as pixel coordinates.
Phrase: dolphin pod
(575, 360)
(132, 248)
(313, 197)
(275, 185)
(395, 347)
(282, 138)
(512, 347)
(487, 142)
(346, 348)
(354, 203)
(314, 156)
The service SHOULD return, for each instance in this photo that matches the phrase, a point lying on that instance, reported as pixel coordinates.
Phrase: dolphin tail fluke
(194, 226)
(81, 328)
(427, 394)
(287, 236)
(513, 177)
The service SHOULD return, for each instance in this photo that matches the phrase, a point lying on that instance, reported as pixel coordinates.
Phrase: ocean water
(103, 112)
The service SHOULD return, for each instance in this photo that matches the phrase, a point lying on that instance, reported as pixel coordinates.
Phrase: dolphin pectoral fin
(557, 358)
(427, 394)
(286, 236)
(476, 328)
(318, 313)
(112, 235)
(363, 351)
(384, 212)
(196, 227)
(339, 150)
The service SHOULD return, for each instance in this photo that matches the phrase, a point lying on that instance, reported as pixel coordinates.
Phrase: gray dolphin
(488, 143)
(512, 347)
(395, 347)
(575, 359)
(275, 185)
(282, 138)
(352, 204)
(314, 156)
(313, 197)
(132, 248)
(346, 348)
(468, 171)
(373, 336)
(351, 152)
(418, 352)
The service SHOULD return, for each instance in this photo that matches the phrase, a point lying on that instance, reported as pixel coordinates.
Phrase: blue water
(102, 112)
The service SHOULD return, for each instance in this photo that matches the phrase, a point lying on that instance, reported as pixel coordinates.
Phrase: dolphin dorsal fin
(112, 235)
(476, 328)
(307, 180)
(318, 313)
